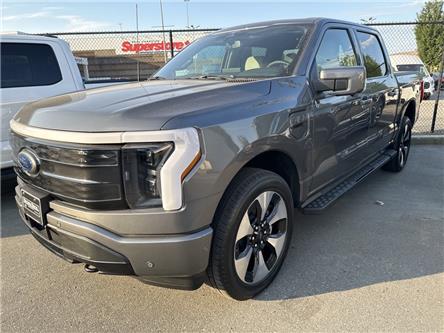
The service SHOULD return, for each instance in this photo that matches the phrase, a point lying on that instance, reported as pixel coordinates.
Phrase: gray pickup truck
(194, 175)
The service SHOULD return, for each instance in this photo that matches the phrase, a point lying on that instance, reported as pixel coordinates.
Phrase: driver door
(339, 121)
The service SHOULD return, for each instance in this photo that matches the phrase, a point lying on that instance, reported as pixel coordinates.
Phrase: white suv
(412, 63)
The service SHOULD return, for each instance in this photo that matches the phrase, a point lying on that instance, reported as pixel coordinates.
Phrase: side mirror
(343, 80)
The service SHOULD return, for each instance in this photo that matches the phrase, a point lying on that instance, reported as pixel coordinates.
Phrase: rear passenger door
(381, 92)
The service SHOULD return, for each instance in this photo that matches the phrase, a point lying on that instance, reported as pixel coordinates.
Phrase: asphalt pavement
(374, 261)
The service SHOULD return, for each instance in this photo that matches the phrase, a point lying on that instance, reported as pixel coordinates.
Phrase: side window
(336, 50)
(208, 60)
(374, 59)
(27, 65)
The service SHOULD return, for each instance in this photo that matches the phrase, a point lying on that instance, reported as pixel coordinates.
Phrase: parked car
(412, 63)
(197, 171)
(32, 67)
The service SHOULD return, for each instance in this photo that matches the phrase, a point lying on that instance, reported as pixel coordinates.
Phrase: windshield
(248, 53)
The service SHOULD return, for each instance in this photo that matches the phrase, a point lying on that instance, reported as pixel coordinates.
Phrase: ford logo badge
(28, 162)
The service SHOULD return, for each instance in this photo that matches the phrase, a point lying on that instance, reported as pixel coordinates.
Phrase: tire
(247, 251)
(402, 146)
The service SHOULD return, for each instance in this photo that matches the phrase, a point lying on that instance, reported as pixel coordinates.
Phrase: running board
(326, 199)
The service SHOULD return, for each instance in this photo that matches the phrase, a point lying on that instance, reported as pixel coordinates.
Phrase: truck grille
(85, 175)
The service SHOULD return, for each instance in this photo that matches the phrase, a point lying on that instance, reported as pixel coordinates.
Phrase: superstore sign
(128, 46)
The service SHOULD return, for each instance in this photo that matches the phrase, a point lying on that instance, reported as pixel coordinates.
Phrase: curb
(428, 139)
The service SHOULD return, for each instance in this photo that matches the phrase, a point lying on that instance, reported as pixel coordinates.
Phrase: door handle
(393, 92)
(365, 100)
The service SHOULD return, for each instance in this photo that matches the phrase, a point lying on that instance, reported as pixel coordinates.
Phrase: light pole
(163, 32)
(137, 38)
(188, 13)
(369, 20)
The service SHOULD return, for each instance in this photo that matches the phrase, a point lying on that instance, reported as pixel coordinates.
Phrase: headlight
(141, 173)
(153, 173)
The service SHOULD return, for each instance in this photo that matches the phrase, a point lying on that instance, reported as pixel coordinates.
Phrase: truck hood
(136, 106)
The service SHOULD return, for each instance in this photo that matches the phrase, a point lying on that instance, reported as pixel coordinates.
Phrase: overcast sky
(58, 16)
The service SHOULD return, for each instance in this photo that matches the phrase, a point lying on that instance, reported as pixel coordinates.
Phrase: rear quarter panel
(409, 86)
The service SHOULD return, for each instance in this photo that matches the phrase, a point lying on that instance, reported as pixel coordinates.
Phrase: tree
(372, 67)
(430, 37)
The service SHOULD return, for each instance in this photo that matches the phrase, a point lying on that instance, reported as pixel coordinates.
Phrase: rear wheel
(252, 233)
(398, 162)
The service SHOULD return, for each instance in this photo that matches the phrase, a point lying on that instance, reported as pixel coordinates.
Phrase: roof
(13, 33)
(17, 35)
(405, 59)
(309, 20)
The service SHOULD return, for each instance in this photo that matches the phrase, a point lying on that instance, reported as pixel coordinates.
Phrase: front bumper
(173, 260)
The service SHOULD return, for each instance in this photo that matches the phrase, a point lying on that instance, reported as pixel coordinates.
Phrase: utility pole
(163, 32)
(187, 2)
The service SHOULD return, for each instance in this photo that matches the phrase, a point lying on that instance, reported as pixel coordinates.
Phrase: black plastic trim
(183, 283)
(68, 247)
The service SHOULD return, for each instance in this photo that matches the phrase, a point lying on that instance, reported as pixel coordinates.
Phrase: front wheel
(253, 228)
(398, 162)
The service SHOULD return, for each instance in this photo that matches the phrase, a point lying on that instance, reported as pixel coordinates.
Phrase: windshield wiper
(153, 78)
(211, 77)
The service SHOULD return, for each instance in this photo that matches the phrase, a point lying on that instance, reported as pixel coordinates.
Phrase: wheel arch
(280, 163)
(409, 111)
(276, 161)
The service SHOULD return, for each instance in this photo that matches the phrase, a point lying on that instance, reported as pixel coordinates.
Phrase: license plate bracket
(35, 205)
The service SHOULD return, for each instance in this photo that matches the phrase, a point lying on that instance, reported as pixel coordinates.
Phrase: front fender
(230, 146)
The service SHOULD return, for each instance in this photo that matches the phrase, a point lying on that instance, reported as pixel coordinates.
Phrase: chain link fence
(129, 55)
(400, 41)
(135, 55)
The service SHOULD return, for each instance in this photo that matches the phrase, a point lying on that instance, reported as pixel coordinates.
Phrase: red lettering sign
(140, 47)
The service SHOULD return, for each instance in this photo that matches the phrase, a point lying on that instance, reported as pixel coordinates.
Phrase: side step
(327, 198)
